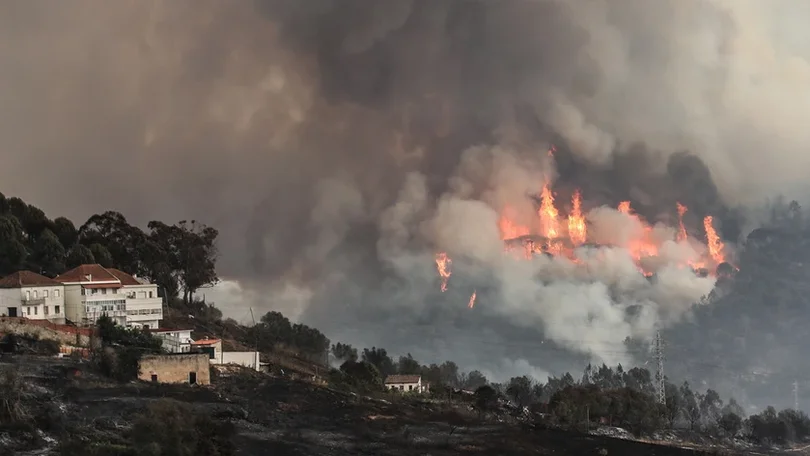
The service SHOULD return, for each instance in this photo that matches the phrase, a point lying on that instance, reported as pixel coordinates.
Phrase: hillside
(749, 340)
(84, 414)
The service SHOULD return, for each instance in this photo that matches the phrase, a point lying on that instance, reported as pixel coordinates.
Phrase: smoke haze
(337, 145)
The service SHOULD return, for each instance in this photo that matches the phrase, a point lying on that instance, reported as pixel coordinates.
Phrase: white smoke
(590, 304)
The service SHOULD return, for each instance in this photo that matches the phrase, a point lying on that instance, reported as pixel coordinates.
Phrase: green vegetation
(122, 348)
(180, 258)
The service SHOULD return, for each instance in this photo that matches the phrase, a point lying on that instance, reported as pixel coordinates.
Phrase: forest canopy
(180, 258)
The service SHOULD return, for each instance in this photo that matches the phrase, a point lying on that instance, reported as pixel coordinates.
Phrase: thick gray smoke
(337, 144)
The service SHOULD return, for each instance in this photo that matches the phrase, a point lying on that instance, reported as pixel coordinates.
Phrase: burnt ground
(276, 416)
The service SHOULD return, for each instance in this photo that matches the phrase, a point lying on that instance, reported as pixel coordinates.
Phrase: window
(114, 291)
(35, 294)
(154, 378)
(410, 387)
(44, 293)
(83, 292)
(56, 310)
(55, 293)
(103, 291)
(27, 295)
(36, 310)
(150, 294)
(192, 378)
(28, 310)
(46, 311)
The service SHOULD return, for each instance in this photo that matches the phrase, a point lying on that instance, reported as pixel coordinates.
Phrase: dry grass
(12, 391)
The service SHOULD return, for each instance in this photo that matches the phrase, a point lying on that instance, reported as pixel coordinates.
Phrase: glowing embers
(443, 264)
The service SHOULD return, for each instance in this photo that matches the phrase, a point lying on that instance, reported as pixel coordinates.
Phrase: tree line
(755, 312)
(602, 394)
(180, 258)
(605, 395)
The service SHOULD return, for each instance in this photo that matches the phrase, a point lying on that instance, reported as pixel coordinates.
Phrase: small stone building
(406, 383)
(189, 368)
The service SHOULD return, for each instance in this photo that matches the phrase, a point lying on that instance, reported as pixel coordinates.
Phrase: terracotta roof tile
(205, 342)
(122, 276)
(21, 279)
(402, 379)
(87, 273)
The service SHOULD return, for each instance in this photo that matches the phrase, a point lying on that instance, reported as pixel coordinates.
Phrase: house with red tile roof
(92, 290)
(211, 346)
(144, 306)
(33, 296)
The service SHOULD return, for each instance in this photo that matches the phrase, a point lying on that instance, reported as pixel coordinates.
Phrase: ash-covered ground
(278, 416)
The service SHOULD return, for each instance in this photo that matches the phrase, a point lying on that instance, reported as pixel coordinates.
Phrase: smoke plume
(339, 144)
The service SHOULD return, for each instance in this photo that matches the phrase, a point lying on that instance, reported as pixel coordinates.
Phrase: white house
(406, 383)
(144, 307)
(174, 340)
(31, 295)
(92, 291)
(246, 359)
(213, 347)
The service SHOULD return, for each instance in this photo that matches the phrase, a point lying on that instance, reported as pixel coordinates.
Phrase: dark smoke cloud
(319, 135)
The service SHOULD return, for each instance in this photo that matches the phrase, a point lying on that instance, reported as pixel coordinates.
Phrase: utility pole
(796, 395)
(659, 376)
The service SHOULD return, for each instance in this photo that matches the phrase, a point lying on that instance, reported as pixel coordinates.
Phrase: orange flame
(577, 230)
(508, 228)
(548, 214)
(681, 228)
(443, 263)
(713, 241)
(471, 304)
(642, 247)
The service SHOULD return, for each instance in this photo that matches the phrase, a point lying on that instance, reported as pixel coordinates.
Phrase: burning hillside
(566, 232)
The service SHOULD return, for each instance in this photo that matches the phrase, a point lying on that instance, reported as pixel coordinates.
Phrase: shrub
(171, 427)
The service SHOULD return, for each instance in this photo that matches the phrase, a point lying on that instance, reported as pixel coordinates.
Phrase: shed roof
(402, 379)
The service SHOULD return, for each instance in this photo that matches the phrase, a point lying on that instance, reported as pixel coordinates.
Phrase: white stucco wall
(35, 303)
(144, 307)
(247, 359)
(175, 341)
(74, 308)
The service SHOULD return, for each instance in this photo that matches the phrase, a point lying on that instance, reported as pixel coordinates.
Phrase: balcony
(107, 299)
(33, 301)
